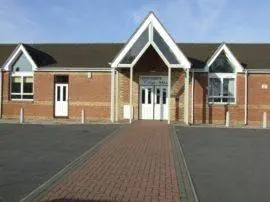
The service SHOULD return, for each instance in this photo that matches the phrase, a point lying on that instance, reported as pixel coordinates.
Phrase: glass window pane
(228, 87)
(27, 96)
(15, 96)
(149, 95)
(143, 96)
(16, 84)
(64, 93)
(61, 79)
(22, 64)
(221, 64)
(214, 87)
(164, 96)
(58, 93)
(164, 48)
(158, 96)
(136, 48)
(28, 85)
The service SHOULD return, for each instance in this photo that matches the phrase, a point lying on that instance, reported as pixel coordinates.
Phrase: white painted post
(169, 95)
(264, 120)
(227, 119)
(130, 95)
(83, 117)
(112, 95)
(1, 91)
(186, 104)
(21, 115)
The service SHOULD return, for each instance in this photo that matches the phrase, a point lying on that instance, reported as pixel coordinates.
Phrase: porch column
(186, 105)
(169, 95)
(1, 92)
(112, 94)
(130, 94)
(117, 96)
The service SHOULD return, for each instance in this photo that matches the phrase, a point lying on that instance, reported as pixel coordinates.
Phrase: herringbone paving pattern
(136, 165)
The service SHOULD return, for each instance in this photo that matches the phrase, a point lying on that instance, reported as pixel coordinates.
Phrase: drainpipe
(246, 96)
(1, 92)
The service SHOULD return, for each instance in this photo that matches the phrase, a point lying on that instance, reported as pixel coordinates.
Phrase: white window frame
(22, 75)
(222, 76)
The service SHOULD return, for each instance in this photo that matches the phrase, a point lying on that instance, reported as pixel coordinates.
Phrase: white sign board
(153, 80)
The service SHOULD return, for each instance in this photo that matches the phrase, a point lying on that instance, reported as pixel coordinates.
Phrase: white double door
(61, 100)
(153, 102)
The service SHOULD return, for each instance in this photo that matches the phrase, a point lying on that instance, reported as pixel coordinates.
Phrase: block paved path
(135, 165)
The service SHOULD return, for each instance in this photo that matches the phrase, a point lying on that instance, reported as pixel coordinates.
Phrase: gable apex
(20, 49)
(153, 26)
(228, 53)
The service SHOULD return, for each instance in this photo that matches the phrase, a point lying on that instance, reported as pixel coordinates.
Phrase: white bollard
(83, 116)
(21, 115)
(264, 120)
(227, 119)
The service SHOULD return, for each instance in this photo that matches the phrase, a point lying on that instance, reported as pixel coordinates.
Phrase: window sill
(22, 100)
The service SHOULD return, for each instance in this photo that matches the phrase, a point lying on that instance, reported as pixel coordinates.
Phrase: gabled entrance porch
(148, 58)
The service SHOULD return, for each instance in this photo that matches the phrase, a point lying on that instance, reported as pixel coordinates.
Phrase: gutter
(72, 69)
(246, 97)
(262, 71)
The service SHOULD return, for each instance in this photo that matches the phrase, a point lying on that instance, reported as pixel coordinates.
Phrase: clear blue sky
(115, 20)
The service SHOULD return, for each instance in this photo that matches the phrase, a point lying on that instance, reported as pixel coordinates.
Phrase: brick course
(91, 94)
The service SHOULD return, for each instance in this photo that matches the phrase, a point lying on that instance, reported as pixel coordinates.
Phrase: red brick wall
(91, 94)
(216, 113)
(258, 98)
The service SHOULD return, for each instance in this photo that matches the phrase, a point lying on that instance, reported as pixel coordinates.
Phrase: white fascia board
(17, 51)
(184, 62)
(141, 53)
(151, 22)
(70, 69)
(223, 47)
(130, 42)
(262, 71)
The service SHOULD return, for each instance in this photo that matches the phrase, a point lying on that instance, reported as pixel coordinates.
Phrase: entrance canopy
(151, 33)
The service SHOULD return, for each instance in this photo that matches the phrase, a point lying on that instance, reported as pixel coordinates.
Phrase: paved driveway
(31, 154)
(228, 165)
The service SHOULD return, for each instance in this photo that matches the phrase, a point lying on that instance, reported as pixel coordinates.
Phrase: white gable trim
(223, 47)
(151, 22)
(15, 54)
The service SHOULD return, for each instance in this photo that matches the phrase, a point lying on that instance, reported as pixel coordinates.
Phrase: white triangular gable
(152, 23)
(234, 62)
(20, 49)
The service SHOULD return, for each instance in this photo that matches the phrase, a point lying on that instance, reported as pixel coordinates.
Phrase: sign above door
(153, 80)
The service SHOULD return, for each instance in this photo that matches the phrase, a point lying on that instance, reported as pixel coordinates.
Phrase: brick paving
(136, 165)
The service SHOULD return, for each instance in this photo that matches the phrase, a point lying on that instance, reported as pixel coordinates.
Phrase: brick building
(149, 77)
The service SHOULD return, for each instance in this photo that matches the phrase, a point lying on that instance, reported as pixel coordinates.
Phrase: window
(136, 48)
(221, 90)
(21, 87)
(221, 81)
(164, 48)
(221, 65)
